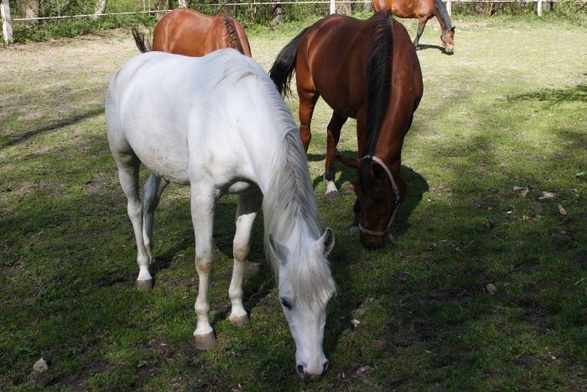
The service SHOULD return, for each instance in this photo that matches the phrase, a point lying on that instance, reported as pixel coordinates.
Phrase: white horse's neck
(289, 205)
(291, 216)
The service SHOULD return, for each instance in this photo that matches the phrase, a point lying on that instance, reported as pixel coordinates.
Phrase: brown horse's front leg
(333, 136)
(421, 25)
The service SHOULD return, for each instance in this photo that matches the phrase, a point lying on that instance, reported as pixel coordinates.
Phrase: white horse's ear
(327, 241)
(278, 248)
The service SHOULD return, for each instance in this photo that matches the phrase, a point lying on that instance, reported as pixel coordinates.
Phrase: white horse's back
(195, 94)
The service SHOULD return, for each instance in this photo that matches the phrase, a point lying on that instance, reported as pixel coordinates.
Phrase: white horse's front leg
(203, 218)
(249, 205)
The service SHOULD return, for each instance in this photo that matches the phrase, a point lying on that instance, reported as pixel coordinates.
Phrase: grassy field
(484, 289)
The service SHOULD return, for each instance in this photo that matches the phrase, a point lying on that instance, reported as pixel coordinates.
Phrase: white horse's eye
(286, 304)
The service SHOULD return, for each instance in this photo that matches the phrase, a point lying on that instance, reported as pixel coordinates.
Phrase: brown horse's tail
(379, 71)
(285, 64)
(142, 45)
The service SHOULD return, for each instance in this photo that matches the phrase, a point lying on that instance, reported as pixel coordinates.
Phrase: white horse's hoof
(204, 342)
(145, 285)
(239, 321)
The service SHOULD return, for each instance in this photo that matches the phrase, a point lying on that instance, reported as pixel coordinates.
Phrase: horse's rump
(191, 33)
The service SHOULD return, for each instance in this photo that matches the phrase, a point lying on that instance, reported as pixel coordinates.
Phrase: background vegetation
(120, 13)
(484, 289)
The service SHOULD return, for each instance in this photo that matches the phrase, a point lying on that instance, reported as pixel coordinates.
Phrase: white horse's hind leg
(128, 173)
(153, 189)
(249, 205)
(202, 207)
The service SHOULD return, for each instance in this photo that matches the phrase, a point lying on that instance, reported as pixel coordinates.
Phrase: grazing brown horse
(424, 10)
(191, 33)
(367, 70)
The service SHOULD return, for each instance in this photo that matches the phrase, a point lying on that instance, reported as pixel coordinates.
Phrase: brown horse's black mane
(379, 69)
(232, 34)
(442, 12)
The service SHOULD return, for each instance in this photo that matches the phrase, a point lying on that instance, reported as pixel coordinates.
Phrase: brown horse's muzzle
(371, 242)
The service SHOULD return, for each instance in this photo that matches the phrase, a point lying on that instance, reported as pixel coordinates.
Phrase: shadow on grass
(53, 127)
(441, 49)
(255, 287)
(576, 93)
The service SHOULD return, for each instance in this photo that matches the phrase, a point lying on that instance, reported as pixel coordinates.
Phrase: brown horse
(191, 33)
(367, 70)
(424, 10)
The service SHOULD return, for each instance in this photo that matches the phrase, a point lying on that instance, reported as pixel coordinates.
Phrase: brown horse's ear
(349, 162)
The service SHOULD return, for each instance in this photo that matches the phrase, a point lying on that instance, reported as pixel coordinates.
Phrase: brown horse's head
(379, 194)
(448, 39)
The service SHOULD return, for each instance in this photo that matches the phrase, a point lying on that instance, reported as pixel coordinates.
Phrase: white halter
(395, 188)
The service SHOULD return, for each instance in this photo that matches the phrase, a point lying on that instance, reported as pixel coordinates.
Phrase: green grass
(506, 110)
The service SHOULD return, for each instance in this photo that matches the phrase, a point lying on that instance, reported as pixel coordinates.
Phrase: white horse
(218, 124)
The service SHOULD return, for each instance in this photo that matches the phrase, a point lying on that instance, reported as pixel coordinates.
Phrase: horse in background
(218, 124)
(424, 10)
(191, 33)
(367, 70)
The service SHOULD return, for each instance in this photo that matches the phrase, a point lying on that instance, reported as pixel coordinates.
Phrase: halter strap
(397, 201)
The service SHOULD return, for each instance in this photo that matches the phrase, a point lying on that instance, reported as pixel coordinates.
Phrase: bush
(249, 15)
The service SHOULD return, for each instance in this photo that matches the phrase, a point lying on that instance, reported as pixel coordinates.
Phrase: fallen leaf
(561, 210)
(522, 191)
(40, 366)
(547, 196)
(491, 289)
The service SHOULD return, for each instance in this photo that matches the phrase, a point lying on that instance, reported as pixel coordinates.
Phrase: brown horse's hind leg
(332, 138)
(308, 99)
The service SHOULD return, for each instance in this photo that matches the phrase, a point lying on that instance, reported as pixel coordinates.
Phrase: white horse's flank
(218, 124)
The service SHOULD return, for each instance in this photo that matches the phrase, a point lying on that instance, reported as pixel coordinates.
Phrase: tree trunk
(6, 21)
(277, 15)
(367, 6)
(28, 8)
(183, 3)
(100, 8)
(343, 8)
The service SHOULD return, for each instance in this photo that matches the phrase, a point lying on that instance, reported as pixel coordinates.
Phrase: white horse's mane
(291, 214)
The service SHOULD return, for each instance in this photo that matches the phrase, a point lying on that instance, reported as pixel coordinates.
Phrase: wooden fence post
(449, 7)
(6, 21)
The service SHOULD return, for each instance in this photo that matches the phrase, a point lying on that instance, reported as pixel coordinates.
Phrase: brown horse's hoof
(240, 321)
(204, 342)
(332, 195)
(145, 285)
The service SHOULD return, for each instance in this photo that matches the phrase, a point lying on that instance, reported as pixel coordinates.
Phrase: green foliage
(253, 17)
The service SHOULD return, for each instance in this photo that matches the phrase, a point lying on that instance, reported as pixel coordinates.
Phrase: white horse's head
(305, 287)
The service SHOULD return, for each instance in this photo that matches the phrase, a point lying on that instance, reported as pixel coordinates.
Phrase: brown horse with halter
(191, 33)
(367, 70)
(424, 10)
